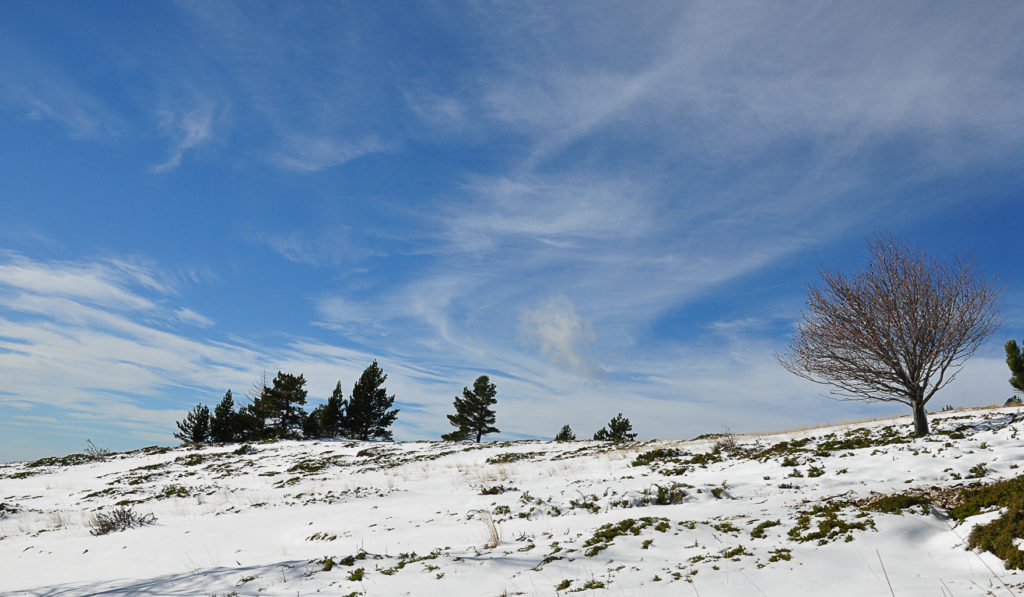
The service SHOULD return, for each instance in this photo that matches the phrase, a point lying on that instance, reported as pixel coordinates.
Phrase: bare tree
(898, 330)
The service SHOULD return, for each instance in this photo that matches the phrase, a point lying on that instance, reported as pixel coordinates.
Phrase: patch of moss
(827, 525)
(604, 535)
(758, 532)
(896, 504)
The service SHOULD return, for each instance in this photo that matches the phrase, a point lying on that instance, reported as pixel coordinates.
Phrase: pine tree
(252, 419)
(195, 427)
(332, 419)
(368, 416)
(285, 403)
(565, 434)
(1015, 360)
(224, 423)
(312, 424)
(618, 430)
(473, 414)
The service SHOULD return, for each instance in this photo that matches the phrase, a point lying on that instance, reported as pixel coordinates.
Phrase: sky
(605, 207)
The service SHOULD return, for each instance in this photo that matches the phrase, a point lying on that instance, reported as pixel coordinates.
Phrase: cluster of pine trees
(276, 413)
(618, 430)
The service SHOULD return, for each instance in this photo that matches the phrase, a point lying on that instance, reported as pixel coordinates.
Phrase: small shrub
(895, 504)
(496, 490)
(121, 519)
(656, 455)
(244, 449)
(356, 575)
(759, 530)
(977, 471)
(94, 452)
(669, 495)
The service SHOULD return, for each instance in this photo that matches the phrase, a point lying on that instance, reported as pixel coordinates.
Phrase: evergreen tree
(251, 424)
(1015, 360)
(195, 427)
(473, 414)
(368, 416)
(224, 423)
(285, 402)
(618, 430)
(332, 419)
(252, 419)
(565, 434)
(312, 424)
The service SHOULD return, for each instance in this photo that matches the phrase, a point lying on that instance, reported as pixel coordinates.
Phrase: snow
(414, 517)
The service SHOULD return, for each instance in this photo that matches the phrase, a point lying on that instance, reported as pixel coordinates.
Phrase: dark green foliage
(69, 460)
(618, 430)
(565, 434)
(311, 423)
(252, 419)
(332, 418)
(828, 526)
(285, 400)
(512, 457)
(668, 495)
(1000, 536)
(473, 414)
(759, 531)
(195, 427)
(656, 455)
(224, 424)
(369, 409)
(896, 504)
(1015, 361)
(458, 435)
(495, 490)
(1005, 494)
(604, 535)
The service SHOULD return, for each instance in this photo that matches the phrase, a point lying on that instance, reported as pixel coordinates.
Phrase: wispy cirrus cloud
(305, 153)
(40, 92)
(187, 131)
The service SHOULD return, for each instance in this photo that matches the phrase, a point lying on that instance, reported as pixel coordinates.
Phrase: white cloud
(560, 333)
(100, 283)
(186, 315)
(39, 92)
(306, 153)
(187, 130)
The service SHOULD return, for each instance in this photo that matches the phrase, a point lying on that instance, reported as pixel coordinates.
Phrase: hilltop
(858, 509)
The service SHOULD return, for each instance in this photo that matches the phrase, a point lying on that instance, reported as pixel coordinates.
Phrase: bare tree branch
(896, 331)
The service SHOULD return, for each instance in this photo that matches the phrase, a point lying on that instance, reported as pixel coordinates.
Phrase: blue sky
(607, 207)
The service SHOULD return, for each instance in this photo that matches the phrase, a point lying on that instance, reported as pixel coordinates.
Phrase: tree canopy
(370, 415)
(473, 413)
(618, 430)
(898, 330)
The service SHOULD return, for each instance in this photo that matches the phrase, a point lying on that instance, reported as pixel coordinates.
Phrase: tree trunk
(920, 418)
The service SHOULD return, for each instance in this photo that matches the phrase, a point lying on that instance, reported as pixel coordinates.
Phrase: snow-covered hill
(788, 514)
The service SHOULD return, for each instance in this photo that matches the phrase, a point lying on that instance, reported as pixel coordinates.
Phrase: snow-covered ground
(743, 515)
